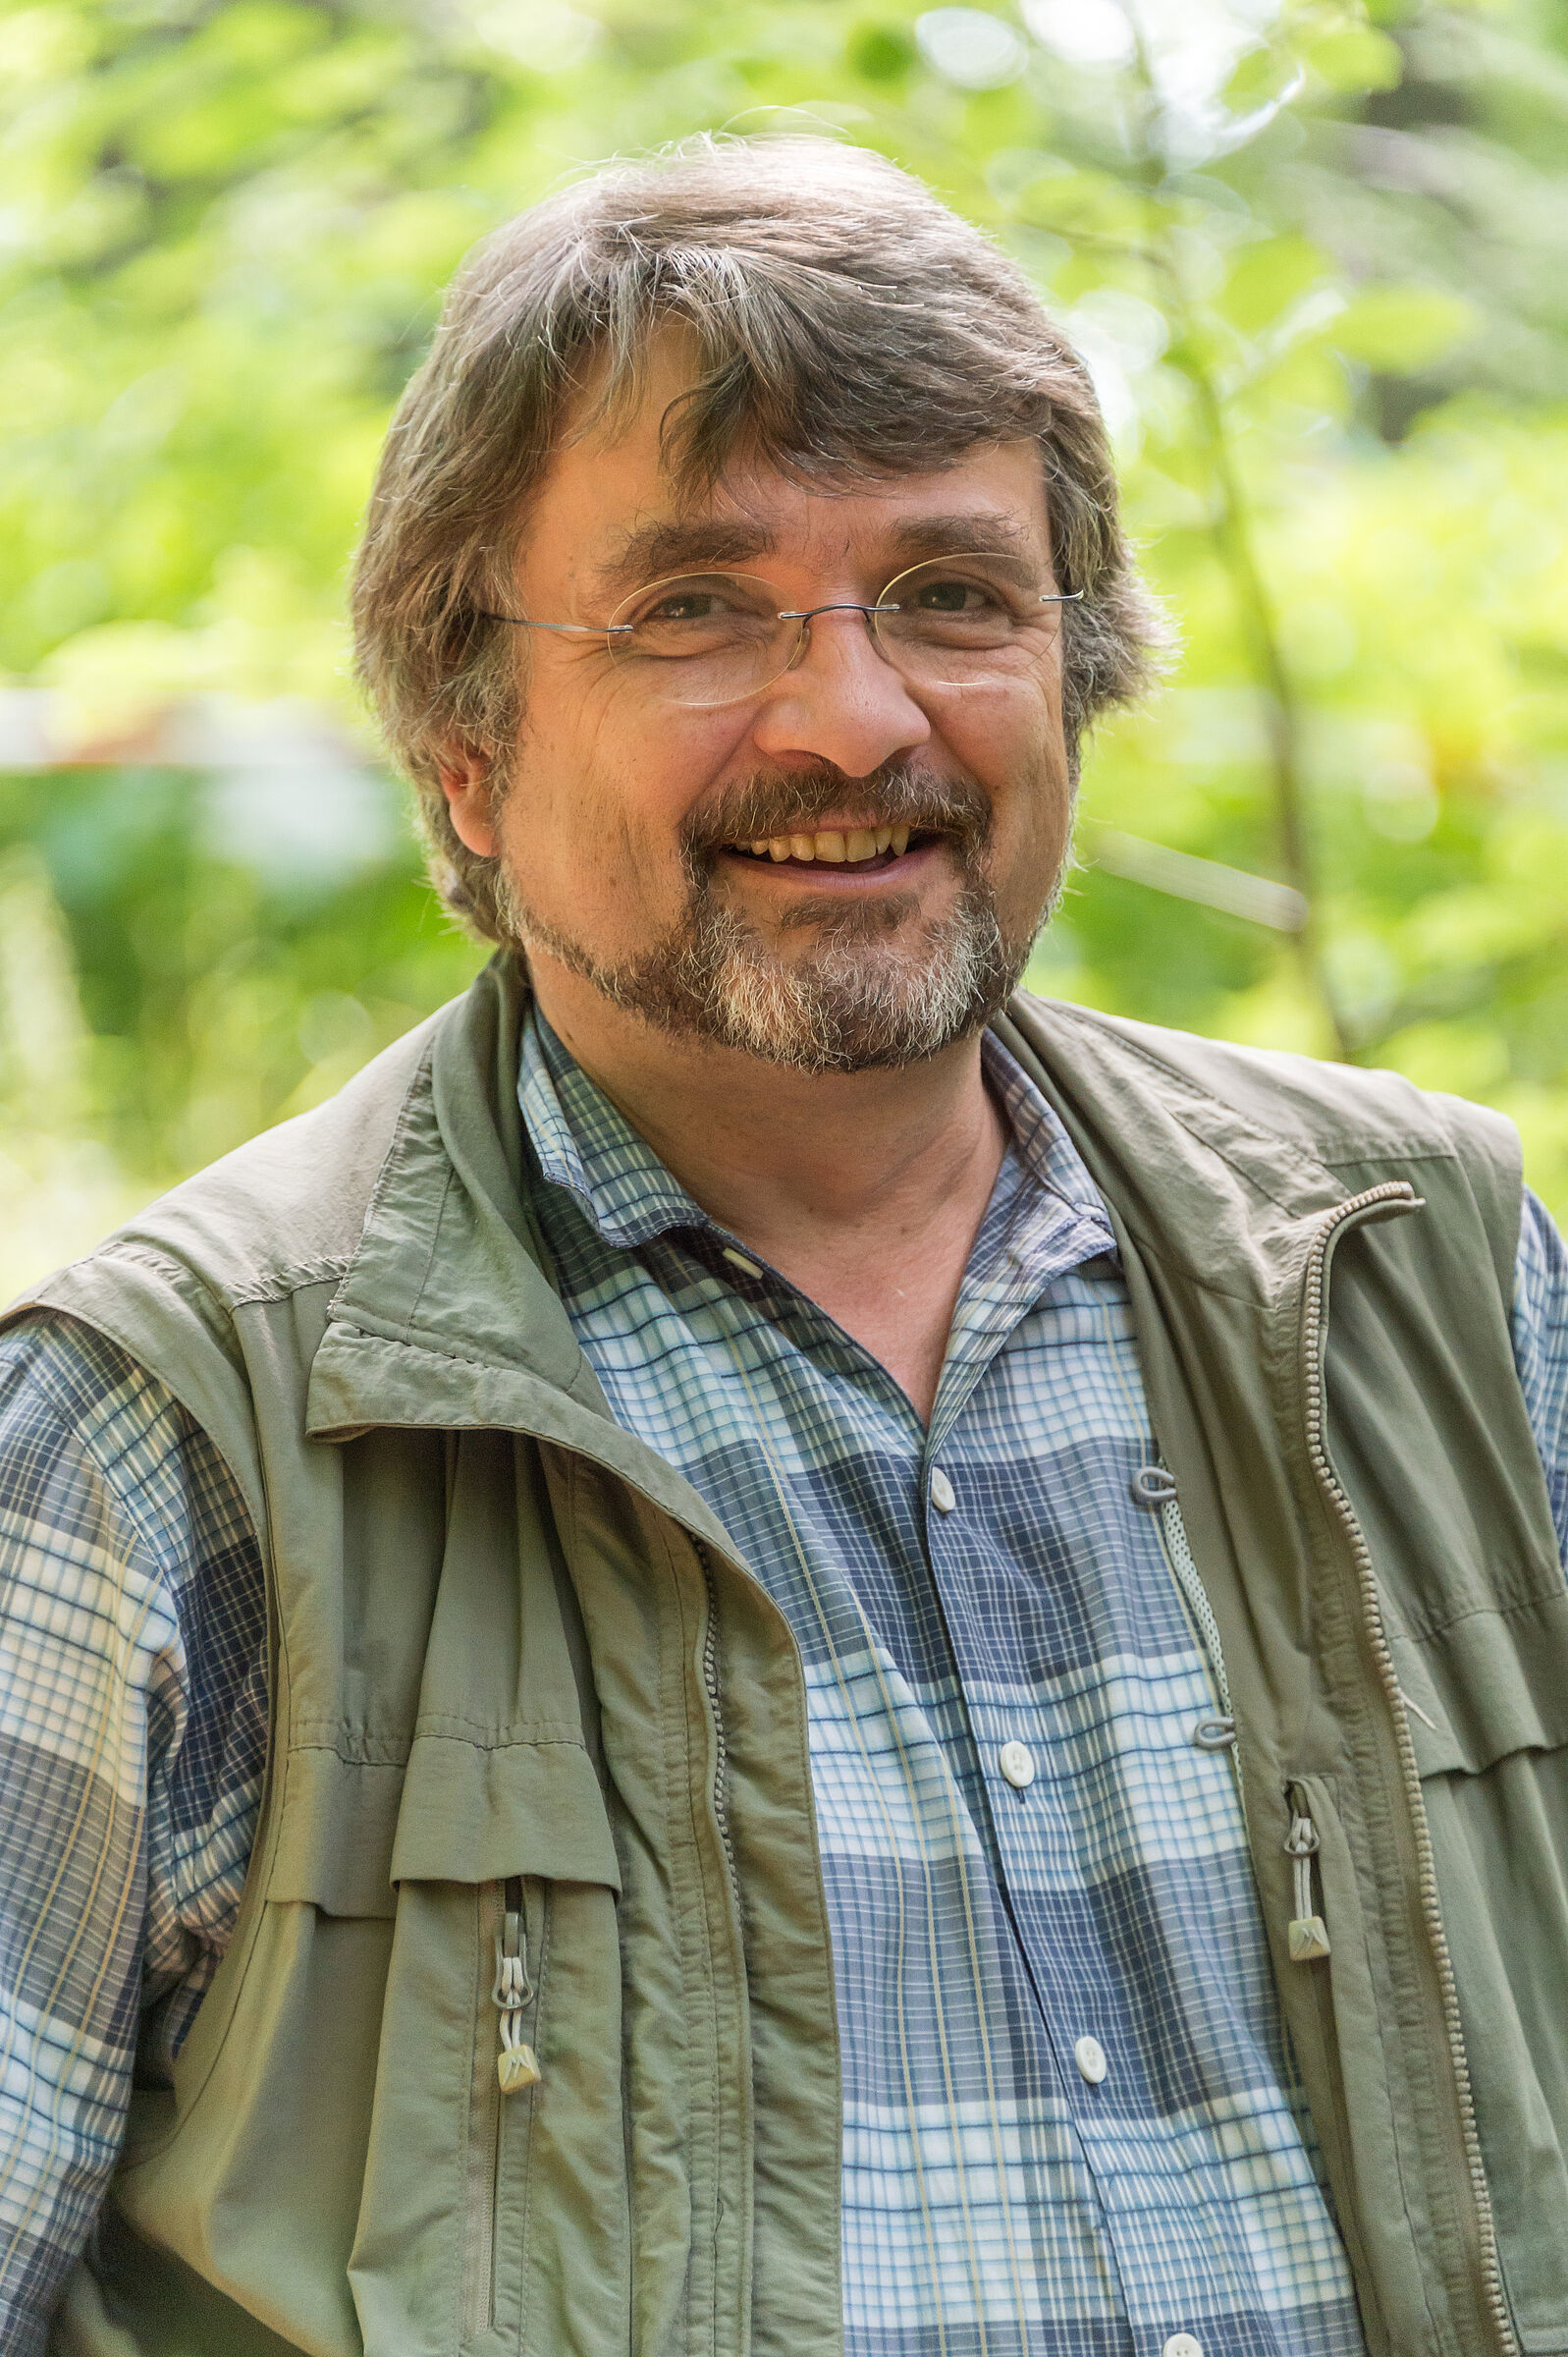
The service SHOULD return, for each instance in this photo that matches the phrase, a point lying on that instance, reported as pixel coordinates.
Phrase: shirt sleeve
(1541, 1349)
(121, 1543)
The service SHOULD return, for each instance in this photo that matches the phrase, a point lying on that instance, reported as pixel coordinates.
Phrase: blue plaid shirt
(1024, 1850)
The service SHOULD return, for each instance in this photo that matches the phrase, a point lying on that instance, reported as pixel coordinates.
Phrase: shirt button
(1090, 2056)
(943, 1494)
(1017, 1764)
(1182, 2344)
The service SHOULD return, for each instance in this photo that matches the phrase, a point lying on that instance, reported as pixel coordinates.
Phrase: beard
(856, 997)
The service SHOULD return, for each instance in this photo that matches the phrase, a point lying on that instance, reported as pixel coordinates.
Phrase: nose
(842, 702)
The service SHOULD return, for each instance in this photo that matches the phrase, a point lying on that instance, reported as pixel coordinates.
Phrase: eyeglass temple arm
(582, 629)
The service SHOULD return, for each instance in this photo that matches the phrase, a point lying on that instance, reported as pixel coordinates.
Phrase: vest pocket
(495, 2222)
(513, 1942)
(1499, 1841)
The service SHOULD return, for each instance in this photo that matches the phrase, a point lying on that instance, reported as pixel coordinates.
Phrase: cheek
(593, 819)
(1019, 756)
(1015, 750)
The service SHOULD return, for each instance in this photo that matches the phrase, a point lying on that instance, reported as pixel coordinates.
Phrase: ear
(466, 783)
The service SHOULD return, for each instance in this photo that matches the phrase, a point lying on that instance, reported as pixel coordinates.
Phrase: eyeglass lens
(704, 639)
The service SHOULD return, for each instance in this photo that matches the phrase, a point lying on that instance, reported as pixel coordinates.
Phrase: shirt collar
(1042, 1146)
(584, 1144)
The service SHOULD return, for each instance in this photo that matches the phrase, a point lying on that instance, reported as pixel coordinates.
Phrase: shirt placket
(1017, 1748)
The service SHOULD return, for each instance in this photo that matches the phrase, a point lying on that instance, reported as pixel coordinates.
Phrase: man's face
(625, 829)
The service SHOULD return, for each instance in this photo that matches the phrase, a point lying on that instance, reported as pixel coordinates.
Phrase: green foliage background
(1315, 253)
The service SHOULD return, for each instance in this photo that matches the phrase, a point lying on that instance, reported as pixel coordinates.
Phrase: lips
(821, 822)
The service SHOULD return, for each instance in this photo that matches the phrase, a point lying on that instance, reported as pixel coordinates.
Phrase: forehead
(611, 512)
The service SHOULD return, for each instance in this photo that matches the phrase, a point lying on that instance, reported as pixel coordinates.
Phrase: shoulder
(274, 1223)
(121, 1509)
(1539, 1326)
(1339, 1113)
(1542, 1287)
(288, 1208)
(1297, 1125)
(283, 1212)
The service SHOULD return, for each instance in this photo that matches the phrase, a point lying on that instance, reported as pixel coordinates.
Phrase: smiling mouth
(865, 849)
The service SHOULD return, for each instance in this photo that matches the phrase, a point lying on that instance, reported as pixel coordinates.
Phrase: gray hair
(845, 322)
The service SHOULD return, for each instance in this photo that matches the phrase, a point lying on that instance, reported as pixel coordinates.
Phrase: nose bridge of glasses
(805, 615)
(801, 620)
(845, 655)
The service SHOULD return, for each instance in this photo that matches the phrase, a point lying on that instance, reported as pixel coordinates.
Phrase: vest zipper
(1342, 1216)
(710, 1679)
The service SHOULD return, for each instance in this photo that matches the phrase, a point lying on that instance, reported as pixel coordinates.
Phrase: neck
(865, 1189)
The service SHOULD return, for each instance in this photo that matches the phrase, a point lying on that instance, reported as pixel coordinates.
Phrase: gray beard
(845, 1006)
(852, 1001)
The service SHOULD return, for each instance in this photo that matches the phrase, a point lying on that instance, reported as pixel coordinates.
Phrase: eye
(953, 596)
(699, 603)
(685, 605)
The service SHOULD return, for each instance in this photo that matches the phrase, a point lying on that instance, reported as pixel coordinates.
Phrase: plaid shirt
(1000, 2194)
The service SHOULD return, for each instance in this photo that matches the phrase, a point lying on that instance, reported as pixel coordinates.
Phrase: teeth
(833, 846)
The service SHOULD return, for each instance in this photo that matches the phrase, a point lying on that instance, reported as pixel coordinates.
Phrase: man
(769, 1649)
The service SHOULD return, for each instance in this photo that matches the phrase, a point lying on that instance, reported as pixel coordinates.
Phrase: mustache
(898, 793)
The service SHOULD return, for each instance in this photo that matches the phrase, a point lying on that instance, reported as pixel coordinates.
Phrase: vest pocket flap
(476, 1815)
(336, 1823)
(351, 1830)
(1487, 1686)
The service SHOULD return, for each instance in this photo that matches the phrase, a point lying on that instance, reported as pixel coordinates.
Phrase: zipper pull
(516, 2064)
(1309, 1939)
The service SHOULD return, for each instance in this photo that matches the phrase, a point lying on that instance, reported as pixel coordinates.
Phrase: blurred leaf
(881, 52)
(1401, 329)
(1354, 57)
(1267, 277)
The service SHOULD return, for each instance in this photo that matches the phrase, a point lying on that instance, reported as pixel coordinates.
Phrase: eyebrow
(652, 551)
(665, 545)
(974, 531)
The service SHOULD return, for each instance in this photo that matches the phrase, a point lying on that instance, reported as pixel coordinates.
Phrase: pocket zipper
(503, 1926)
(516, 2064)
(1308, 1935)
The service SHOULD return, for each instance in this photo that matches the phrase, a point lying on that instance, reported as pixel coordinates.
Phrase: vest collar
(447, 1318)
(1193, 1179)
(448, 1315)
